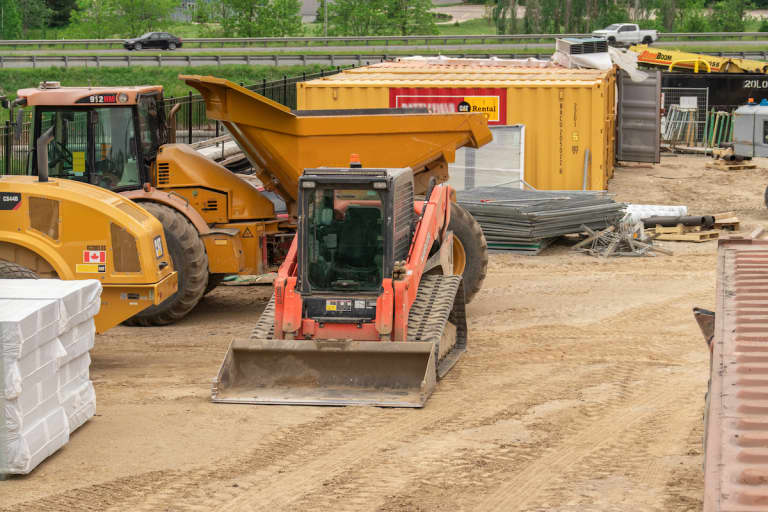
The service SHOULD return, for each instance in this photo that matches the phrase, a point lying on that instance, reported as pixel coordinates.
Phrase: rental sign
(491, 102)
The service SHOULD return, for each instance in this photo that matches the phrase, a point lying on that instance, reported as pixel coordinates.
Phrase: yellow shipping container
(563, 116)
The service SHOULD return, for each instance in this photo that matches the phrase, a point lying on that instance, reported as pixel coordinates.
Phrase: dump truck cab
(105, 136)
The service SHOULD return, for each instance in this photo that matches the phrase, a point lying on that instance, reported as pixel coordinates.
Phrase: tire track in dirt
(664, 351)
(308, 478)
(371, 480)
(269, 490)
(684, 488)
(625, 470)
(522, 488)
(127, 493)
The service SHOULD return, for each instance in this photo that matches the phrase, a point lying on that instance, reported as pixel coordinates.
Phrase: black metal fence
(192, 123)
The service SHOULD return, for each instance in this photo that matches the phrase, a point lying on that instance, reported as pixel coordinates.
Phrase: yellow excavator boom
(668, 59)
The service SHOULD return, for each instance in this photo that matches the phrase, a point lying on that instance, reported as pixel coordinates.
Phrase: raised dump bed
(281, 143)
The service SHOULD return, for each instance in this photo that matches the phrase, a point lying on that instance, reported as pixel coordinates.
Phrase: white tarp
(638, 212)
(46, 333)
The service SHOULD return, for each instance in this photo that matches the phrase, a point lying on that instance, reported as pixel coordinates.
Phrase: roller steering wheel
(61, 154)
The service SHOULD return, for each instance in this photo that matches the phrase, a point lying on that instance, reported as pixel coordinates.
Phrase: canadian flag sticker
(94, 256)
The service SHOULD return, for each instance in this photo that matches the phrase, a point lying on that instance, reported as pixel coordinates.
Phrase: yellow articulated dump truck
(216, 223)
(63, 229)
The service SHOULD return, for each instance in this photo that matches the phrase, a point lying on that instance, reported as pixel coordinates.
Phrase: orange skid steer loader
(365, 309)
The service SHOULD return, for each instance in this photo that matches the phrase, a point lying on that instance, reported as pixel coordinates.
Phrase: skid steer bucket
(262, 370)
(387, 374)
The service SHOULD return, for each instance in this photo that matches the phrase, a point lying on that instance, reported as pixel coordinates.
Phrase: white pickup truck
(626, 34)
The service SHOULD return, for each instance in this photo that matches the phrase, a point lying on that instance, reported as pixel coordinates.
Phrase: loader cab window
(150, 124)
(95, 145)
(345, 239)
(68, 151)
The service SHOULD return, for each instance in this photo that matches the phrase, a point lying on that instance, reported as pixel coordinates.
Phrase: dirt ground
(583, 389)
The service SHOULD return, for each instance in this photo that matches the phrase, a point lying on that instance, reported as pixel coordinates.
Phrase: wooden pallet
(682, 233)
(727, 221)
(722, 165)
(698, 236)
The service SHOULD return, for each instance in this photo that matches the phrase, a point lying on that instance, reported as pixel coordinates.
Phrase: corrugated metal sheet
(459, 63)
(467, 76)
(736, 435)
(565, 111)
(470, 66)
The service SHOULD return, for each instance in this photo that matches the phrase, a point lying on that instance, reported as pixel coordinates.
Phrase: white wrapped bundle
(46, 333)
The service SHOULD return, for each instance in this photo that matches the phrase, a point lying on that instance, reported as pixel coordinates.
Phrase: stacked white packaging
(46, 333)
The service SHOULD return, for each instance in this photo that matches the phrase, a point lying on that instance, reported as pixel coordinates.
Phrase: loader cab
(354, 224)
(109, 138)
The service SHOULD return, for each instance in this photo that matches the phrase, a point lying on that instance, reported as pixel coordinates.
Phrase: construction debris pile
(621, 239)
(526, 221)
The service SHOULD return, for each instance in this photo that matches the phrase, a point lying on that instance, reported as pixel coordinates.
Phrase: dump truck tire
(470, 254)
(765, 197)
(189, 260)
(10, 270)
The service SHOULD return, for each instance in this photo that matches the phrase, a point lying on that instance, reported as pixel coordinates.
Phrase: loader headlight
(308, 184)
(380, 184)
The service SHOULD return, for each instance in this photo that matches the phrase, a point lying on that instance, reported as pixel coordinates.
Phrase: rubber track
(265, 327)
(440, 299)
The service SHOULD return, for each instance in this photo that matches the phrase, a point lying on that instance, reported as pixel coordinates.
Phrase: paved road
(757, 45)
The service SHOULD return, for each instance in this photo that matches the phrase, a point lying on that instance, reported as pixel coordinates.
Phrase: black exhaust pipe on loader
(42, 155)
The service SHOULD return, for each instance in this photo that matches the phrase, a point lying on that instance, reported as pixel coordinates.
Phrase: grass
(14, 79)
(468, 28)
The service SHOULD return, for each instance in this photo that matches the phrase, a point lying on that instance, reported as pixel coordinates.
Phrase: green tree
(286, 18)
(411, 17)
(261, 18)
(693, 18)
(138, 16)
(358, 18)
(728, 16)
(504, 16)
(10, 20)
(94, 19)
(34, 15)
(61, 11)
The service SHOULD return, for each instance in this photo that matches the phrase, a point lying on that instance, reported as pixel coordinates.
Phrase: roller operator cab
(365, 310)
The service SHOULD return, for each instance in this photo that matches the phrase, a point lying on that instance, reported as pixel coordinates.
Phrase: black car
(162, 40)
